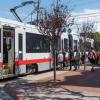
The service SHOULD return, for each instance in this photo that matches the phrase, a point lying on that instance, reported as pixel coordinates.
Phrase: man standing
(64, 58)
(71, 58)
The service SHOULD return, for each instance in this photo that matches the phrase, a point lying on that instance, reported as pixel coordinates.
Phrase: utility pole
(38, 10)
(57, 3)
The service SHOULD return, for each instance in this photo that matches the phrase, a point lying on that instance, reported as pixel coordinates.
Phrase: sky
(77, 6)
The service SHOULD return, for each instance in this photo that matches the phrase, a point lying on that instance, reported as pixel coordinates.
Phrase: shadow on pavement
(35, 91)
(44, 90)
(85, 79)
(4, 95)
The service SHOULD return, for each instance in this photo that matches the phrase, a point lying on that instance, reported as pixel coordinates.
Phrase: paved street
(3, 94)
(70, 85)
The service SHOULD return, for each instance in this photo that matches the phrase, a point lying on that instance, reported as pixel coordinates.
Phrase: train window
(36, 43)
(20, 42)
(62, 44)
(65, 44)
(70, 41)
(75, 44)
(0, 40)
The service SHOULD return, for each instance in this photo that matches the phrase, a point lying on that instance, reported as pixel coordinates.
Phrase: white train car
(72, 43)
(75, 42)
(66, 44)
(22, 49)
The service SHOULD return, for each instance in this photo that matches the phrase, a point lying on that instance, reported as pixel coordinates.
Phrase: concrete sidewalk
(73, 85)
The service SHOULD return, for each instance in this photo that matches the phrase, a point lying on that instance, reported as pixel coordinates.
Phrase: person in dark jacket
(83, 58)
(71, 58)
(64, 54)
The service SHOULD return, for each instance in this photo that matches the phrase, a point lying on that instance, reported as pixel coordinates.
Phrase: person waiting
(77, 59)
(60, 59)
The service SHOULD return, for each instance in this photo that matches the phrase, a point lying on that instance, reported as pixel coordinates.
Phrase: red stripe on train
(23, 62)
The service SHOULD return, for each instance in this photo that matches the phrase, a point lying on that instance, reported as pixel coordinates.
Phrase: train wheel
(34, 68)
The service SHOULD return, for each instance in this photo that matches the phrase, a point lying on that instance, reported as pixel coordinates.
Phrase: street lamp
(69, 30)
(70, 38)
(70, 44)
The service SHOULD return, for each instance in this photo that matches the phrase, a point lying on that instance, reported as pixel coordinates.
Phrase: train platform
(70, 85)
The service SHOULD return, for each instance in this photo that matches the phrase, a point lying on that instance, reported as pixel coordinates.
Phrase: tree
(96, 37)
(53, 23)
(87, 29)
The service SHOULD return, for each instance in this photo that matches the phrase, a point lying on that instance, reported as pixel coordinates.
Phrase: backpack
(91, 55)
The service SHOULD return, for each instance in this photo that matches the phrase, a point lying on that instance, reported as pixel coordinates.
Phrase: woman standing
(92, 58)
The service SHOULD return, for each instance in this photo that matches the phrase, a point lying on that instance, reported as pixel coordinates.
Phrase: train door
(20, 52)
(8, 50)
(20, 46)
